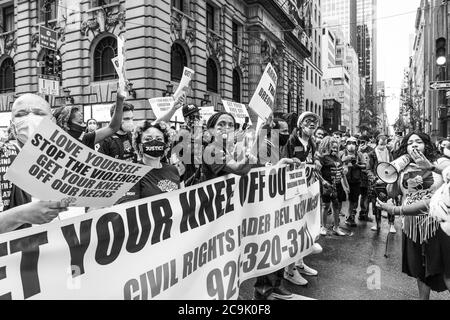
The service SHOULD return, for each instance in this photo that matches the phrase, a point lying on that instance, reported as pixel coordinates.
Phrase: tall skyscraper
(341, 15)
(367, 43)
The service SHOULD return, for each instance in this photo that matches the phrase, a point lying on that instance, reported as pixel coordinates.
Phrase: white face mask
(128, 126)
(26, 126)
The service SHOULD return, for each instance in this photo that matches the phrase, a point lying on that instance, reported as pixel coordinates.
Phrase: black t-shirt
(214, 161)
(296, 149)
(88, 139)
(119, 146)
(332, 168)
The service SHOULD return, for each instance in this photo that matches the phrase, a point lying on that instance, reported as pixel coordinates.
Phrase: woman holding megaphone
(426, 248)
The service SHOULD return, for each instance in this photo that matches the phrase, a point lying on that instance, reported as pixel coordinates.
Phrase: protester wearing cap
(16, 209)
(70, 119)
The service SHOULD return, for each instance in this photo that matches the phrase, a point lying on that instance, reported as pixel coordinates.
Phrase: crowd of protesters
(345, 165)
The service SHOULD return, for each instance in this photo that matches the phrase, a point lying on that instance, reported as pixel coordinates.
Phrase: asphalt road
(354, 268)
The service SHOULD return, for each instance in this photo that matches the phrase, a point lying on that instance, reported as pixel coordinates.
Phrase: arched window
(7, 76)
(212, 76)
(236, 86)
(178, 60)
(105, 50)
(307, 105)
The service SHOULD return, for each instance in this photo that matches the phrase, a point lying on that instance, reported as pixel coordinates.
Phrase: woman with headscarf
(426, 248)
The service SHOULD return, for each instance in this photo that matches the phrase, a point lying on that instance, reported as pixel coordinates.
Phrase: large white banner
(200, 242)
(53, 166)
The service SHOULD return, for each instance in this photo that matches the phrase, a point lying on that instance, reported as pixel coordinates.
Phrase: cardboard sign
(185, 82)
(238, 110)
(53, 166)
(296, 183)
(264, 96)
(119, 65)
(162, 105)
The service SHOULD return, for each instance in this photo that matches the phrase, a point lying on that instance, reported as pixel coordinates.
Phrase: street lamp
(205, 99)
(68, 97)
(169, 90)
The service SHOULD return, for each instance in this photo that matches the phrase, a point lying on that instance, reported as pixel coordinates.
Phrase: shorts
(341, 197)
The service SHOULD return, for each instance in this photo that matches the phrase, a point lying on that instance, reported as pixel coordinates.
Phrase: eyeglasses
(309, 121)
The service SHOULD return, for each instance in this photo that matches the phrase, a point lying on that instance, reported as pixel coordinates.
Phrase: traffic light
(441, 51)
(50, 64)
(58, 65)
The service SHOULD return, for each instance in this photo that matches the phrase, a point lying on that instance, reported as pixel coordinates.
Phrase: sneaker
(295, 277)
(364, 217)
(375, 228)
(304, 269)
(392, 229)
(337, 231)
(323, 231)
(281, 293)
(317, 248)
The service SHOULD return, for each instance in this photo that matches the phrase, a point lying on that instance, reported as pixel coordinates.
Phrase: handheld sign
(184, 83)
(206, 113)
(162, 105)
(296, 183)
(53, 166)
(119, 64)
(264, 96)
(238, 110)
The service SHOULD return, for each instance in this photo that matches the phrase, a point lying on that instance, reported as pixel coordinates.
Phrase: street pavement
(348, 268)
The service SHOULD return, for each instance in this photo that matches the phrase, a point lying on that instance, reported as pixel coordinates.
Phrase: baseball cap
(190, 109)
(306, 114)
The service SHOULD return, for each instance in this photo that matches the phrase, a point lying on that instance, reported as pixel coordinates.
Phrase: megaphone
(390, 172)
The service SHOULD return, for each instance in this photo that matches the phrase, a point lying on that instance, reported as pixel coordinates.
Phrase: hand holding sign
(40, 212)
(188, 74)
(119, 65)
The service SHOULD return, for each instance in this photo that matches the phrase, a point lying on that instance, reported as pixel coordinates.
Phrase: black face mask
(76, 130)
(283, 139)
(154, 148)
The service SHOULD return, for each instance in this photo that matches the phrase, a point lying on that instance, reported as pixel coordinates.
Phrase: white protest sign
(53, 166)
(206, 113)
(188, 74)
(264, 96)
(296, 182)
(203, 241)
(119, 64)
(161, 106)
(238, 110)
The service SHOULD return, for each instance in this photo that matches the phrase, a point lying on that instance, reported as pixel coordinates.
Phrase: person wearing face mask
(319, 135)
(364, 150)
(354, 162)
(17, 210)
(444, 145)
(120, 144)
(70, 119)
(91, 125)
(152, 141)
(426, 247)
(380, 154)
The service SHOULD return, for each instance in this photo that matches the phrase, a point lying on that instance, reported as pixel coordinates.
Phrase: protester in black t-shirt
(70, 119)
(151, 141)
(16, 209)
(120, 144)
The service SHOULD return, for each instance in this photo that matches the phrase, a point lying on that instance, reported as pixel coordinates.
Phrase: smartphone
(245, 125)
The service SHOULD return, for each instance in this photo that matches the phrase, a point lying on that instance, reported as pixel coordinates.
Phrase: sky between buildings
(395, 24)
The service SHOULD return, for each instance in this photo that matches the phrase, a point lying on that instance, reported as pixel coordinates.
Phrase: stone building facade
(226, 42)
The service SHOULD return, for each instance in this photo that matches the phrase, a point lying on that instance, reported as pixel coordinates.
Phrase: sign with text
(162, 105)
(119, 65)
(296, 182)
(185, 82)
(440, 85)
(206, 113)
(264, 96)
(238, 110)
(204, 241)
(53, 166)
(47, 38)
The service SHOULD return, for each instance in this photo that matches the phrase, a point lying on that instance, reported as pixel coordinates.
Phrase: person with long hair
(426, 248)
(333, 183)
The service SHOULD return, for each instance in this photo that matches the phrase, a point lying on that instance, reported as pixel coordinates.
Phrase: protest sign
(264, 96)
(119, 64)
(238, 110)
(161, 106)
(203, 241)
(296, 182)
(53, 166)
(206, 113)
(184, 83)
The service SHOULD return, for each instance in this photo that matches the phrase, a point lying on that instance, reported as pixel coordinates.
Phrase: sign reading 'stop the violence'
(47, 38)
(53, 166)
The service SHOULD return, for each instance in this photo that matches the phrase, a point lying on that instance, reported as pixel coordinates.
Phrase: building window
(320, 83)
(178, 4)
(307, 72)
(47, 13)
(315, 108)
(7, 76)
(311, 107)
(315, 81)
(100, 3)
(8, 19)
(178, 60)
(289, 97)
(312, 76)
(105, 50)
(210, 18)
(235, 34)
(236, 86)
(307, 105)
(212, 76)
